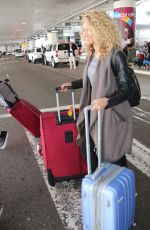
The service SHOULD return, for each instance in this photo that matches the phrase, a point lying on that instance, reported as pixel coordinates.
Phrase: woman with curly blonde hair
(103, 30)
(105, 86)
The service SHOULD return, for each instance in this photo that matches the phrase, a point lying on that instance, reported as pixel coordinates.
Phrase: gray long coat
(117, 134)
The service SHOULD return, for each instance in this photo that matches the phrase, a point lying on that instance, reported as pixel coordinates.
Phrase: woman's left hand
(99, 103)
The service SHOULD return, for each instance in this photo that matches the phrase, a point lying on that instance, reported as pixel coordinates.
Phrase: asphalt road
(29, 202)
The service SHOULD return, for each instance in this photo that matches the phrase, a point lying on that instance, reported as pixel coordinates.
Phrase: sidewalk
(136, 68)
(141, 70)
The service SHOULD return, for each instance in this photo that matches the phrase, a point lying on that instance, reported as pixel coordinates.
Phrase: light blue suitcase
(109, 194)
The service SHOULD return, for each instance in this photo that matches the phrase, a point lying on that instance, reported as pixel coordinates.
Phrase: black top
(71, 51)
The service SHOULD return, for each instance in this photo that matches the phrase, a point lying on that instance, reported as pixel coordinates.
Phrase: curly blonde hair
(104, 32)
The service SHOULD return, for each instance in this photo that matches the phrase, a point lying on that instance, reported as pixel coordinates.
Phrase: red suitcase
(27, 115)
(62, 157)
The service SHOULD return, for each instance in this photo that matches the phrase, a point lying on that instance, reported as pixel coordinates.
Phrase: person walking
(43, 50)
(72, 60)
(104, 90)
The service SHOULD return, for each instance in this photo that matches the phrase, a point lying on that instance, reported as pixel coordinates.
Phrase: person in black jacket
(105, 87)
(43, 49)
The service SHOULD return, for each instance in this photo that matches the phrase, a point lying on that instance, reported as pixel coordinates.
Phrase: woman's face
(87, 33)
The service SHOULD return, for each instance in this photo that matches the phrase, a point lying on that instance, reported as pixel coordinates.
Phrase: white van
(57, 53)
(35, 55)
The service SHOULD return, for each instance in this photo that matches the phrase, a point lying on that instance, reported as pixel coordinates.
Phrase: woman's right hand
(64, 86)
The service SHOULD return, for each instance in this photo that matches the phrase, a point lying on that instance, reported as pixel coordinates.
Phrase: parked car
(35, 55)
(57, 53)
(19, 53)
(9, 53)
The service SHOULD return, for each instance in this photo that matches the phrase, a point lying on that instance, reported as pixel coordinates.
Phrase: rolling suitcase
(108, 195)
(62, 157)
(24, 112)
(28, 115)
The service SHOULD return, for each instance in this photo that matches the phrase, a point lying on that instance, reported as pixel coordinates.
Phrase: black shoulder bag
(134, 87)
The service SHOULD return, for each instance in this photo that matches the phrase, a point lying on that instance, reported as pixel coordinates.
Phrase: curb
(140, 71)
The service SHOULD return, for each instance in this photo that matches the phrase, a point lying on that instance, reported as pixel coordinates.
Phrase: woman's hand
(64, 86)
(99, 103)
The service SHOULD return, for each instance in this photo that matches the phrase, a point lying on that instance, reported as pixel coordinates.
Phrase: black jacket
(121, 72)
(73, 51)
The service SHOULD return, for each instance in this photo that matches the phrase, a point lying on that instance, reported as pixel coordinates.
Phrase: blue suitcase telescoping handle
(99, 147)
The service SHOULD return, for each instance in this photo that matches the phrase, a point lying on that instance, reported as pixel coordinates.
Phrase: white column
(125, 13)
(52, 36)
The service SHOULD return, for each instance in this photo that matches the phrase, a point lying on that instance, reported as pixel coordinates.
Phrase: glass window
(18, 51)
(38, 50)
(54, 47)
(50, 48)
(63, 46)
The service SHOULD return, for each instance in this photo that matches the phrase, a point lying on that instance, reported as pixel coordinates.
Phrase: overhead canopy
(22, 19)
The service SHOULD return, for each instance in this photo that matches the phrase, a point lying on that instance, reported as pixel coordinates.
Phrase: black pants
(43, 59)
(94, 160)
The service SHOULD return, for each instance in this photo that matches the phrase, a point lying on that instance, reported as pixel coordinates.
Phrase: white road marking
(145, 72)
(138, 118)
(7, 76)
(6, 115)
(142, 111)
(55, 108)
(142, 115)
(8, 58)
(65, 107)
(140, 157)
(145, 98)
(62, 73)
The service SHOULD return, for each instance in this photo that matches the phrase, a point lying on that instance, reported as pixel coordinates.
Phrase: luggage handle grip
(99, 147)
(58, 105)
(68, 87)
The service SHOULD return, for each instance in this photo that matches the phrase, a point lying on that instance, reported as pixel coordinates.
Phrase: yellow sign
(24, 44)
